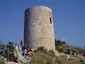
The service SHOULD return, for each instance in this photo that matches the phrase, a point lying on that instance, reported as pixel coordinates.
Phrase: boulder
(57, 53)
(20, 58)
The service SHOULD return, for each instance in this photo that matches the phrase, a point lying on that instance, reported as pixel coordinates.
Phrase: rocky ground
(42, 56)
(47, 58)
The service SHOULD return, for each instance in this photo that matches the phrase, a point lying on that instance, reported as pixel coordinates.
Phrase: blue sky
(69, 19)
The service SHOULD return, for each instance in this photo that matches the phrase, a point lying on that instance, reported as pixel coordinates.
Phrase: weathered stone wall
(38, 29)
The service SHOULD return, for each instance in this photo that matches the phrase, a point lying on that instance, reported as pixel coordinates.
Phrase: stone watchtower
(38, 28)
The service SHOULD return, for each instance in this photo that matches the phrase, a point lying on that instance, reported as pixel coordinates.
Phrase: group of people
(70, 52)
(26, 51)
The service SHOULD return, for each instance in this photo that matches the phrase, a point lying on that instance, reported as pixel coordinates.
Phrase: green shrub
(51, 51)
(42, 49)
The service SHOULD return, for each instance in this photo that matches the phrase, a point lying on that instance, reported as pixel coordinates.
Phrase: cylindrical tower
(38, 28)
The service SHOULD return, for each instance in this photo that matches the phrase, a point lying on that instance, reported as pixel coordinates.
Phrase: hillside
(42, 56)
(62, 47)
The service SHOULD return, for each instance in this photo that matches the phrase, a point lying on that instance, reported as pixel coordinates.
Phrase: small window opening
(50, 20)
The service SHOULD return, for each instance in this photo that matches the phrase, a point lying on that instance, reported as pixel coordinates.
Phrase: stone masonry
(38, 28)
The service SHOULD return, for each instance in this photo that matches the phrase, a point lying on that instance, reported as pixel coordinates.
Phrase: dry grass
(42, 58)
(2, 62)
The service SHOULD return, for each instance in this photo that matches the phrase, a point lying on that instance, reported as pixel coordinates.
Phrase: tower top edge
(46, 7)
